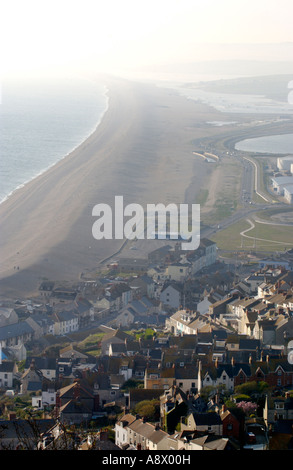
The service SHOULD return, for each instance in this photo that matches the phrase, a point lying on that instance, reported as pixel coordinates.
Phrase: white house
(65, 322)
(7, 373)
(121, 430)
(47, 399)
(186, 322)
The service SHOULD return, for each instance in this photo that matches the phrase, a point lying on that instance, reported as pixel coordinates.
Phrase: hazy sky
(42, 36)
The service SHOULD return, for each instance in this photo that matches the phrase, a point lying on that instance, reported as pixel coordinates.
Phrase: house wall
(6, 380)
(171, 297)
(231, 427)
(121, 435)
(49, 374)
(177, 272)
(155, 381)
(187, 384)
(191, 425)
(64, 327)
(124, 319)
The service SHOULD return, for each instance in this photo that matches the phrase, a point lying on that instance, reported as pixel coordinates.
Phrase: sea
(42, 121)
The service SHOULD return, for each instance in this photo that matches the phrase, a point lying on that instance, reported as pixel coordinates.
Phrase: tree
(248, 407)
(132, 383)
(250, 388)
(148, 409)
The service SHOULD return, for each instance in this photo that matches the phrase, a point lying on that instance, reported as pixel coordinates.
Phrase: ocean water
(41, 123)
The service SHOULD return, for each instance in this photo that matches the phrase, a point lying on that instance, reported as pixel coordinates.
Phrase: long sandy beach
(141, 150)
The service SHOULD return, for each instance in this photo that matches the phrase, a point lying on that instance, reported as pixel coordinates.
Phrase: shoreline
(75, 147)
(141, 149)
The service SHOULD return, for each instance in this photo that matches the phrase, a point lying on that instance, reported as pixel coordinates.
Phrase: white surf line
(255, 180)
(252, 226)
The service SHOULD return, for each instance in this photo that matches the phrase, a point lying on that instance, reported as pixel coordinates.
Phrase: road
(250, 185)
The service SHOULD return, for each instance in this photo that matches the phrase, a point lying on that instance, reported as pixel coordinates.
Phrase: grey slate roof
(7, 366)
(202, 419)
(14, 330)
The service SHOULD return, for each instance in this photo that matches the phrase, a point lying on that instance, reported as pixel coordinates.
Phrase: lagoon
(274, 144)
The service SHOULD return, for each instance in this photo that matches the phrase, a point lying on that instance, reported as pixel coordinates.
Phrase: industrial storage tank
(284, 163)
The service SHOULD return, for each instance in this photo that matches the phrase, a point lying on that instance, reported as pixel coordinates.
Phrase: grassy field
(264, 237)
(273, 237)
(229, 238)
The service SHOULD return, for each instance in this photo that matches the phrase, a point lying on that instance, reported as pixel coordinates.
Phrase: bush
(250, 388)
(148, 409)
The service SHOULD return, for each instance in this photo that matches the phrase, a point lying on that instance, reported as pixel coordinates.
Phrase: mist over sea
(41, 122)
